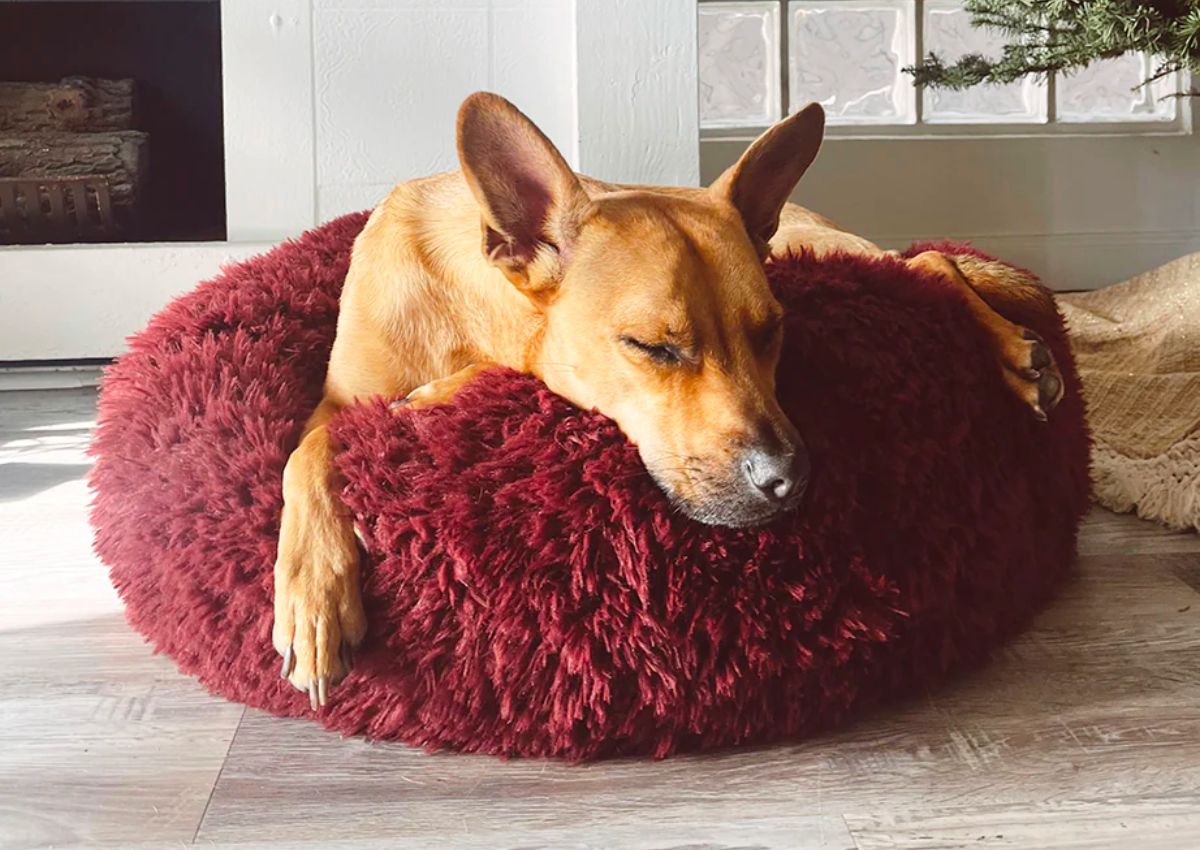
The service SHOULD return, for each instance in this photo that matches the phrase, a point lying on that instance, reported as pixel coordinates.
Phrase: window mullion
(919, 53)
(785, 60)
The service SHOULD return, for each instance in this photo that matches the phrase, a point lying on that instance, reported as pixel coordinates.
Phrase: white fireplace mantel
(327, 104)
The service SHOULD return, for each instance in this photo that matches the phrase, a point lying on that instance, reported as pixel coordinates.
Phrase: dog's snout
(779, 476)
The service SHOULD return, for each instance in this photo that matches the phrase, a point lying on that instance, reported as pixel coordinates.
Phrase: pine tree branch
(1053, 36)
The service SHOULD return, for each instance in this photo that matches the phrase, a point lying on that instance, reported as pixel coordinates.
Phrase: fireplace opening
(111, 122)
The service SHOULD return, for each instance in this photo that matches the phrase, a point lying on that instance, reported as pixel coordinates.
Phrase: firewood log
(75, 104)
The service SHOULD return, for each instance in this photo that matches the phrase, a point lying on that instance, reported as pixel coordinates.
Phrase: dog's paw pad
(1031, 372)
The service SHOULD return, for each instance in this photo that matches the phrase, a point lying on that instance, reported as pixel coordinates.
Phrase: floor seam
(220, 773)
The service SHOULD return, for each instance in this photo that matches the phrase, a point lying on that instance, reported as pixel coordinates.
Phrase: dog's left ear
(759, 183)
(532, 203)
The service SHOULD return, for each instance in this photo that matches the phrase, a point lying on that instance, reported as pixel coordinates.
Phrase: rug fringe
(1164, 488)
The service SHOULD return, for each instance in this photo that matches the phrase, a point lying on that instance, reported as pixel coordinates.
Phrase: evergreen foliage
(1045, 36)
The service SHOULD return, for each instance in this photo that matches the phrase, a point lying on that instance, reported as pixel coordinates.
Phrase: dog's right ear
(532, 203)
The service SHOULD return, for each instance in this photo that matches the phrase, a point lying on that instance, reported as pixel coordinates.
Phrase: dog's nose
(778, 476)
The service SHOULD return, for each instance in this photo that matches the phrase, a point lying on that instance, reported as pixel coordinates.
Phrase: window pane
(847, 54)
(1104, 91)
(739, 64)
(949, 34)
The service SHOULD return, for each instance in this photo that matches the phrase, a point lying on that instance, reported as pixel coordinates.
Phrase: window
(760, 58)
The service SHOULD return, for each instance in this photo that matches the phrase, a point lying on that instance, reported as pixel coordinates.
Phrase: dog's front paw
(1030, 371)
(318, 613)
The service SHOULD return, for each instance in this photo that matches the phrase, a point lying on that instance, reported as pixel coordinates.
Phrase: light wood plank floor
(1085, 732)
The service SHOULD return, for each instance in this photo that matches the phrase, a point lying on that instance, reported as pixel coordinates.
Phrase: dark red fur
(529, 590)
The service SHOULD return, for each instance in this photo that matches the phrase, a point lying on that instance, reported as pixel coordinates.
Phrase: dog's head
(653, 305)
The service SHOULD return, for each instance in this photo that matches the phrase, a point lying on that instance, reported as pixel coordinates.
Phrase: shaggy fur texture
(528, 588)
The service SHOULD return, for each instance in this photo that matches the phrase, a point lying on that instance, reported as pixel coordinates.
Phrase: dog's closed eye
(662, 353)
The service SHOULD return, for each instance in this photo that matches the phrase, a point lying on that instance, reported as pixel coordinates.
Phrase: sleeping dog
(647, 304)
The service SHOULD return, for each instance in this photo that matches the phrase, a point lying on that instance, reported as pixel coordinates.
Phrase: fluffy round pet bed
(528, 588)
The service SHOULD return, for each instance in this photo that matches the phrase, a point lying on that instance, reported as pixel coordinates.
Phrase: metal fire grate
(55, 209)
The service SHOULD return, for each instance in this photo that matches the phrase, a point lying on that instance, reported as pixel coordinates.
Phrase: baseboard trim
(49, 377)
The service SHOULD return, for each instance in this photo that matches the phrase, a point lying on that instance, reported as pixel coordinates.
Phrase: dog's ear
(759, 183)
(532, 203)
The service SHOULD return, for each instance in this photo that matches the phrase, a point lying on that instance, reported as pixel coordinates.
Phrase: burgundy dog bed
(529, 591)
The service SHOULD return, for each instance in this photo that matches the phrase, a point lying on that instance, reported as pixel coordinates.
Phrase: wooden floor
(1083, 733)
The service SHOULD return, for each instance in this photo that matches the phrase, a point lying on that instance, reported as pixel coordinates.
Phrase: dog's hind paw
(1026, 362)
(1031, 372)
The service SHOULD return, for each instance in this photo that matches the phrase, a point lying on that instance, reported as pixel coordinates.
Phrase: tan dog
(649, 305)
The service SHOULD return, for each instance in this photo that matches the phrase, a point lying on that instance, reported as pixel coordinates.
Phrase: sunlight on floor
(43, 516)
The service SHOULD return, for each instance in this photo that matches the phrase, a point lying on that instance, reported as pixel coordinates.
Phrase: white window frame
(1181, 125)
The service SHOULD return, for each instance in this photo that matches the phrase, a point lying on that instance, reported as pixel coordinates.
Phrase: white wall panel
(638, 98)
(388, 86)
(337, 200)
(533, 64)
(390, 75)
(266, 59)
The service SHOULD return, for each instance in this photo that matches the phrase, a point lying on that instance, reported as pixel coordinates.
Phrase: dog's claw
(398, 405)
(318, 688)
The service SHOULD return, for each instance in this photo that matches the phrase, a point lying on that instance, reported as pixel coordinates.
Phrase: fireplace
(111, 122)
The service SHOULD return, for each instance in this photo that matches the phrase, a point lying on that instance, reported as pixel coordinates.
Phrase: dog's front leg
(318, 603)
(442, 390)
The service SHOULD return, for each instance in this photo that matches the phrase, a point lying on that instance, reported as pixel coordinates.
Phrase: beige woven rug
(1137, 345)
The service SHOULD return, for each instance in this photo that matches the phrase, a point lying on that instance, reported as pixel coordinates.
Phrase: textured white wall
(390, 75)
(638, 116)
